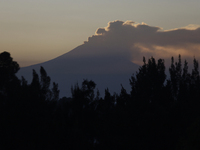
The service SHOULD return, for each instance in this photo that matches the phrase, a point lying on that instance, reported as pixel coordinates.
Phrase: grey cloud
(141, 39)
(100, 31)
(115, 24)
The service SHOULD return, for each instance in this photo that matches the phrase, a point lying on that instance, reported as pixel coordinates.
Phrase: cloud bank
(135, 40)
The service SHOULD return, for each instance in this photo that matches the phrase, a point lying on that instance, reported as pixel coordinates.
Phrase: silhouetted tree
(86, 92)
(109, 99)
(149, 80)
(157, 114)
(195, 82)
(9, 83)
(45, 83)
(175, 76)
(184, 85)
(123, 98)
(8, 68)
(35, 88)
(55, 92)
(88, 89)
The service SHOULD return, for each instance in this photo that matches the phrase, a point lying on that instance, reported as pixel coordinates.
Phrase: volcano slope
(107, 67)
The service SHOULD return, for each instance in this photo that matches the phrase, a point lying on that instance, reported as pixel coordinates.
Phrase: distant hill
(107, 67)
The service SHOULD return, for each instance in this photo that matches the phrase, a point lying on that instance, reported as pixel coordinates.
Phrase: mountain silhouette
(107, 66)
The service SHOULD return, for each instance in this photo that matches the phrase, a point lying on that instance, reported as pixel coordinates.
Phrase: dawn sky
(35, 31)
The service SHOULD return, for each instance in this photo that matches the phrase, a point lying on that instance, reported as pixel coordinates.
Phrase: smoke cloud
(135, 40)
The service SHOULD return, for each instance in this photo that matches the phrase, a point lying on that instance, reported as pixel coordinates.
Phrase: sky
(35, 31)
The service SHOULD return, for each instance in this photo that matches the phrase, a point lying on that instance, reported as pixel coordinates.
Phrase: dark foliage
(158, 113)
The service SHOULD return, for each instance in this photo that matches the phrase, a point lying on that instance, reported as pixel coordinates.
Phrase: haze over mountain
(109, 57)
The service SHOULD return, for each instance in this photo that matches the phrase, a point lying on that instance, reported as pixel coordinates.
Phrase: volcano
(107, 67)
(105, 58)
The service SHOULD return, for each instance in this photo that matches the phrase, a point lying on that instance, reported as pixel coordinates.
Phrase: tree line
(159, 112)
